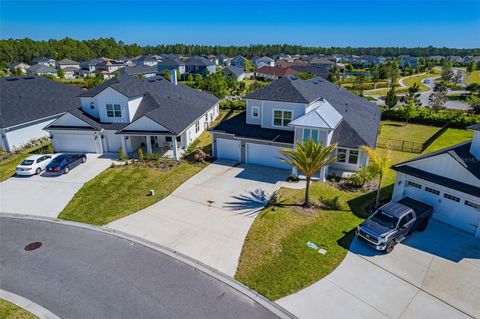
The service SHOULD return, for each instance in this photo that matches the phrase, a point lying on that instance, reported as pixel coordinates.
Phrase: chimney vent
(173, 76)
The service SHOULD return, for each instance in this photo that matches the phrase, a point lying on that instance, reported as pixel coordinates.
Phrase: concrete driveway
(208, 217)
(46, 195)
(434, 274)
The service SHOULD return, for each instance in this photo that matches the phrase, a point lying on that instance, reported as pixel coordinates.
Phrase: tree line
(26, 50)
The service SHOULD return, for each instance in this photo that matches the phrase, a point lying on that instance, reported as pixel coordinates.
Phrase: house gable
(144, 124)
(69, 120)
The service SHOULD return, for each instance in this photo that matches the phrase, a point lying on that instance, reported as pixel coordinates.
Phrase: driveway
(434, 274)
(46, 195)
(208, 217)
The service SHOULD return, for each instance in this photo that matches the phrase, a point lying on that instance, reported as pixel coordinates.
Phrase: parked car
(393, 222)
(34, 165)
(62, 164)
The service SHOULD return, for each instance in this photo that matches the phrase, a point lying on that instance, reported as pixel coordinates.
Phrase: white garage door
(74, 143)
(265, 155)
(228, 149)
(451, 209)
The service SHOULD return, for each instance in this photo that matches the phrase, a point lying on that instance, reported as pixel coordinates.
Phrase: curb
(250, 293)
(27, 305)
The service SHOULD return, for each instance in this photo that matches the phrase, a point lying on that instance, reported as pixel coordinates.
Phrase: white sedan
(34, 165)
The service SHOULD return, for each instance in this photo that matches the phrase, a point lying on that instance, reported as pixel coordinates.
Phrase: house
(150, 113)
(213, 59)
(40, 69)
(285, 64)
(236, 73)
(109, 65)
(239, 61)
(18, 67)
(315, 70)
(67, 64)
(449, 180)
(169, 63)
(291, 109)
(321, 62)
(265, 60)
(89, 65)
(199, 65)
(222, 58)
(69, 72)
(140, 70)
(274, 73)
(44, 61)
(146, 60)
(29, 103)
(408, 59)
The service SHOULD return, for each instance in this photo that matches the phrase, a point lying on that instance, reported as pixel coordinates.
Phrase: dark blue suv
(63, 163)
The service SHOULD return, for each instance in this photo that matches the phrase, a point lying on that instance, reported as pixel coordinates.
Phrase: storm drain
(33, 246)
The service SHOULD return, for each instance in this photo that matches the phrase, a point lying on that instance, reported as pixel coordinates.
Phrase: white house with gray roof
(292, 109)
(150, 113)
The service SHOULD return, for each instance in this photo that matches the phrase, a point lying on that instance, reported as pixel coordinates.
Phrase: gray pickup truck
(393, 222)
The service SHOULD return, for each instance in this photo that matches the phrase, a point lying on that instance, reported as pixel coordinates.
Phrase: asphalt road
(82, 273)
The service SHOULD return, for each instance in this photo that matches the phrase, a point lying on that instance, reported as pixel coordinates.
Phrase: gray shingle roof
(67, 62)
(198, 61)
(171, 62)
(231, 69)
(40, 68)
(138, 69)
(28, 98)
(361, 116)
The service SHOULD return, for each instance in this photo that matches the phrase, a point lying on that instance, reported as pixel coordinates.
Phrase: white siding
(133, 105)
(267, 107)
(111, 142)
(68, 119)
(18, 137)
(111, 96)
(145, 124)
(85, 101)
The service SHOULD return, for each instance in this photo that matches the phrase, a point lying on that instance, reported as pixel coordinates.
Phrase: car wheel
(390, 246)
(38, 171)
(66, 170)
(423, 225)
(84, 159)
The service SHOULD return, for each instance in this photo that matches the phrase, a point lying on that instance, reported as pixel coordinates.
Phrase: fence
(410, 146)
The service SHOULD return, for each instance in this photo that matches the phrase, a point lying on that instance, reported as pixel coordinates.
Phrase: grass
(10, 311)
(275, 260)
(120, 191)
(473, 77)
(411, 132)
(410, 81)
(8, 166)
(384, 91)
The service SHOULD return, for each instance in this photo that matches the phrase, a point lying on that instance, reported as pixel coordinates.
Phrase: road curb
(27, 305)
(250, 293)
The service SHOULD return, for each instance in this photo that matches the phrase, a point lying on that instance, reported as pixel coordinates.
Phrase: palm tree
(309, 157)
(379, 165)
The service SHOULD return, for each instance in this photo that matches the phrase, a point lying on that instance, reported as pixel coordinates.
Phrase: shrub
(140, 154)
(199, 155)
(121, 155)
(361, 177)
(421, 115)
(232, 105)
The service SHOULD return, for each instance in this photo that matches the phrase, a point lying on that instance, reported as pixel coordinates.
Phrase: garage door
(450, 210)
(74, 143)
(265, 155)
(228, 149)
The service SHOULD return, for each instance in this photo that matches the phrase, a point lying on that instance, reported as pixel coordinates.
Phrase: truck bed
(420, 208)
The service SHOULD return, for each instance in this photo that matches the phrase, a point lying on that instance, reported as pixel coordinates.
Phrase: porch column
(124, 146)
(175, 151)
(149, 144)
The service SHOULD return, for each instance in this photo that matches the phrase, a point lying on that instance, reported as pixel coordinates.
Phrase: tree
(437, 99)
(391, 100)
(166, 74)
(359, 84)
(375, 75)
(190, 77)
(474, 103)
(408, 109)
(413, 95)
(306, 76)
(472, 66)
(333, 75)
(61, 73)
(378, 165)
(249, 67)
(309, 157)
(349, 68)
(215, 84)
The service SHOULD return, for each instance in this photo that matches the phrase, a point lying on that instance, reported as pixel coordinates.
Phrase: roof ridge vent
(12, 79)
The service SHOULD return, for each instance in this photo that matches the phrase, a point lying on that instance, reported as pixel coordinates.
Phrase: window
(353, 157)
(168, 138)
(255, 112)
(197, 127)
(472, 204)
(310, 134)
(114, 110)
(92, 105)
(431, 190)
(179, 138)
(451, 197)
(206, 117)
(341, 155)
(282, 118)
(415, 185)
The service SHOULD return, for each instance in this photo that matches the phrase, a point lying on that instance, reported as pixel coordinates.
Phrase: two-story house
(199, 65)
(44, 61)
(67, 64)
(291, 109)
(170, 63)
(146, 60)
(449, 180)
(153, 113)
(239, 61)
(263, 61)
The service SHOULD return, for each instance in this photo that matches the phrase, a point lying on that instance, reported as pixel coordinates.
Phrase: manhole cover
(33, 246)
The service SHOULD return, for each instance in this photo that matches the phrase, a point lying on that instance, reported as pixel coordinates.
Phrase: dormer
(475, 146)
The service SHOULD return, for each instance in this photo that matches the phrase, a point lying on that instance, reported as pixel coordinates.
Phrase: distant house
(263, 61)
(315, 70)
(19, 67)
(40, 69)
(29, 103)
(222, 58)
(109, 65)
(239, 61)
(89, 65)
(170, 63)
(44, 61)
(369, 60)
(408, 59)
(70, 72)
(67, 63)
(285, 64)
(456, 59)
(140, 70)
(274, 73)
(199, 65)
(321, 62)
(213, 59)
(146, 60)
(236, 73)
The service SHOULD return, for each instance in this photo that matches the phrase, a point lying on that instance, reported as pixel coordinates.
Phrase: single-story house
(274, 73)
(29, 103)
(449, 180)
(67, 63)
(149, 113)
(291, 109)
(199, 65)
(143, 70)
(19, 66)
(236, 73)
(40, 69)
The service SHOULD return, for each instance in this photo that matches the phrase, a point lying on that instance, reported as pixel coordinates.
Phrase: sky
(356, 23)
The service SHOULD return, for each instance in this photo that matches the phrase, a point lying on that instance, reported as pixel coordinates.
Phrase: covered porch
(166, 145)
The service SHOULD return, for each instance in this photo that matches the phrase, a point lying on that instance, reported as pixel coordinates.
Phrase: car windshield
(384, 219)
(58, 160)
(27, 162)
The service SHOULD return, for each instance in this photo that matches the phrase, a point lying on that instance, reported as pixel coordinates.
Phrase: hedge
(233, 105)
(456, 118)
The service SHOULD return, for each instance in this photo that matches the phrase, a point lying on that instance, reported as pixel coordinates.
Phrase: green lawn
(11, 311)
(473, 77)
(275, 260)
(418, 80)
(411, 132)
(121, 191)
(7, 167)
